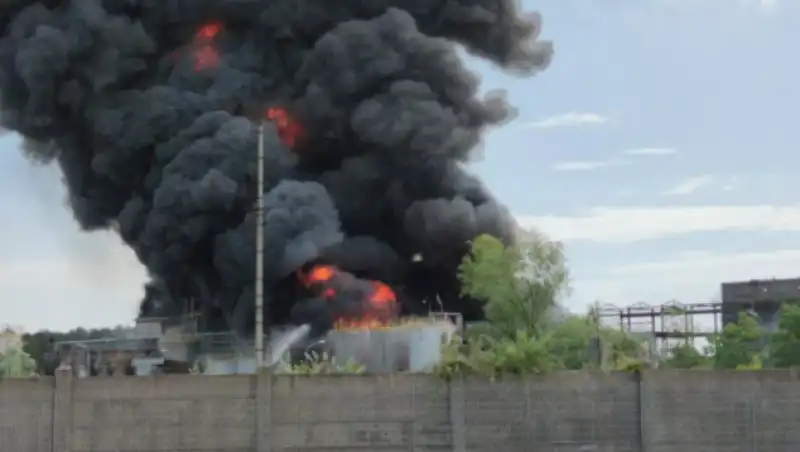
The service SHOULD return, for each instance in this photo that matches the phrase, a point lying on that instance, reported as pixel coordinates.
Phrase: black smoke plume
(164, 152)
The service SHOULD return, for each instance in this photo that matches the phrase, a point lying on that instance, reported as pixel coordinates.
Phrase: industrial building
(667, 324)
(157, 345)
(763, 298)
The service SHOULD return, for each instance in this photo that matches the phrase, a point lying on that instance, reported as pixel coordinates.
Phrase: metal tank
(412, 347)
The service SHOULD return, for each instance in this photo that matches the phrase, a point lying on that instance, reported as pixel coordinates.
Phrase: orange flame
(359, 324)
(320, 274)
(288, 129)
(378, 307)
(205, 54)
(208, 31)
(378, 310)
(382, 297)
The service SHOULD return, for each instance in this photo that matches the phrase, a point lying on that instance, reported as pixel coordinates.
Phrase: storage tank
(410, 347)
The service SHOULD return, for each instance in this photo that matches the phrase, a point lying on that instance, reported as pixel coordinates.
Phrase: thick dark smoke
(165, 153)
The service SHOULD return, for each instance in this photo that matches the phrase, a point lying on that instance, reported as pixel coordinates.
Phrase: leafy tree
(571, 341)
(736, 346)
(686, 356)
(580, 342)
(15, 363)
(520, 284)
(526, 332)
(521, 354)
(784, 345)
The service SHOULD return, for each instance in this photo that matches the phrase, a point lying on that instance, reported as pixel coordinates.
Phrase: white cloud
(633, 224)
(691, 185)
(99, 289)
(587, 165)
(690, 278)
(762, 264)
(650, 151)
(572, 119)
(52, 275)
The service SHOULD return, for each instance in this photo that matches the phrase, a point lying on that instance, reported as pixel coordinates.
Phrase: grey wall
(661, 411)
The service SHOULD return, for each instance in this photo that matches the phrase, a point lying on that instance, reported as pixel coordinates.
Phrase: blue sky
(657, 146)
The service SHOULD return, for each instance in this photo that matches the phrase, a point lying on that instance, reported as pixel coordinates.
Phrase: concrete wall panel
(661, 411)
(575, 412)
(26, 415)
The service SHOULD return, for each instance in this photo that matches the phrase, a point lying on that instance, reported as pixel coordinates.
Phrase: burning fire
(205, 54)
(376, 309)
(382, 296)
(288, 129)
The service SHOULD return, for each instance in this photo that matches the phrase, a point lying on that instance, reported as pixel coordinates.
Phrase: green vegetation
(525, 333)
(784, 347)
(317, 364)
(15, 363)
(734, 347)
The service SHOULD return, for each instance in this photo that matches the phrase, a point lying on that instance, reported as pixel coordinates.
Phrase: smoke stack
(151, 112)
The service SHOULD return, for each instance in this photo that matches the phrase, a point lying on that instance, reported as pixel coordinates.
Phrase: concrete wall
(661, 411)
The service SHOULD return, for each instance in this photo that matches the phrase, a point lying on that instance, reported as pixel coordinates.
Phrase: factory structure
(763, 298)
(180, 345)
(667, 324)
(177, 345)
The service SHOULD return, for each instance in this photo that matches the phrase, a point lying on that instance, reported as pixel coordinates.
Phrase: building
(763, 298)
(177, 345)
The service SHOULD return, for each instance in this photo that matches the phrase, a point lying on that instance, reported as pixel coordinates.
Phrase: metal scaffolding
(666, 324)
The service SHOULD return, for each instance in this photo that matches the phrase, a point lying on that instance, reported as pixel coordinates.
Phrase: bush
(15, 363)
(493, 357)
(316, 364)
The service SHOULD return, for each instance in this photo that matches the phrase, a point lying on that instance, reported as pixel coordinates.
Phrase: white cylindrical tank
(412, 347)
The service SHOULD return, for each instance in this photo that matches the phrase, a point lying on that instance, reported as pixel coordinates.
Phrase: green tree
(686, 356)
(784, 345)
(580, 342)
(520, 284)
(15, 363)
(526, 331)
(736, 347)
(571, 341)
(520, 354)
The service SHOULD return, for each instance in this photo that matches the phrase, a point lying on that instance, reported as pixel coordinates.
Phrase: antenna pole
(259, 290)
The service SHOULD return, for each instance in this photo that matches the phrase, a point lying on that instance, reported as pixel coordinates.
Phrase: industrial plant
(163, 345)
(666, 324)
(181, 344)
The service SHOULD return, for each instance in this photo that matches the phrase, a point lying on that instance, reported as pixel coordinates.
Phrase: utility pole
(259, 292)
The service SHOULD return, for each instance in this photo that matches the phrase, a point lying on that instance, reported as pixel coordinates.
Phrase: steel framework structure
(666, 324)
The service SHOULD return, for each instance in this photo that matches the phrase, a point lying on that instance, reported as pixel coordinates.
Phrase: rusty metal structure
(667, 324)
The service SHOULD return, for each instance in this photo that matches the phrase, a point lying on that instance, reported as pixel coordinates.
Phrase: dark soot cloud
(149, 144)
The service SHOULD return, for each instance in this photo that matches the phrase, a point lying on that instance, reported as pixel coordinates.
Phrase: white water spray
(285, 342)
